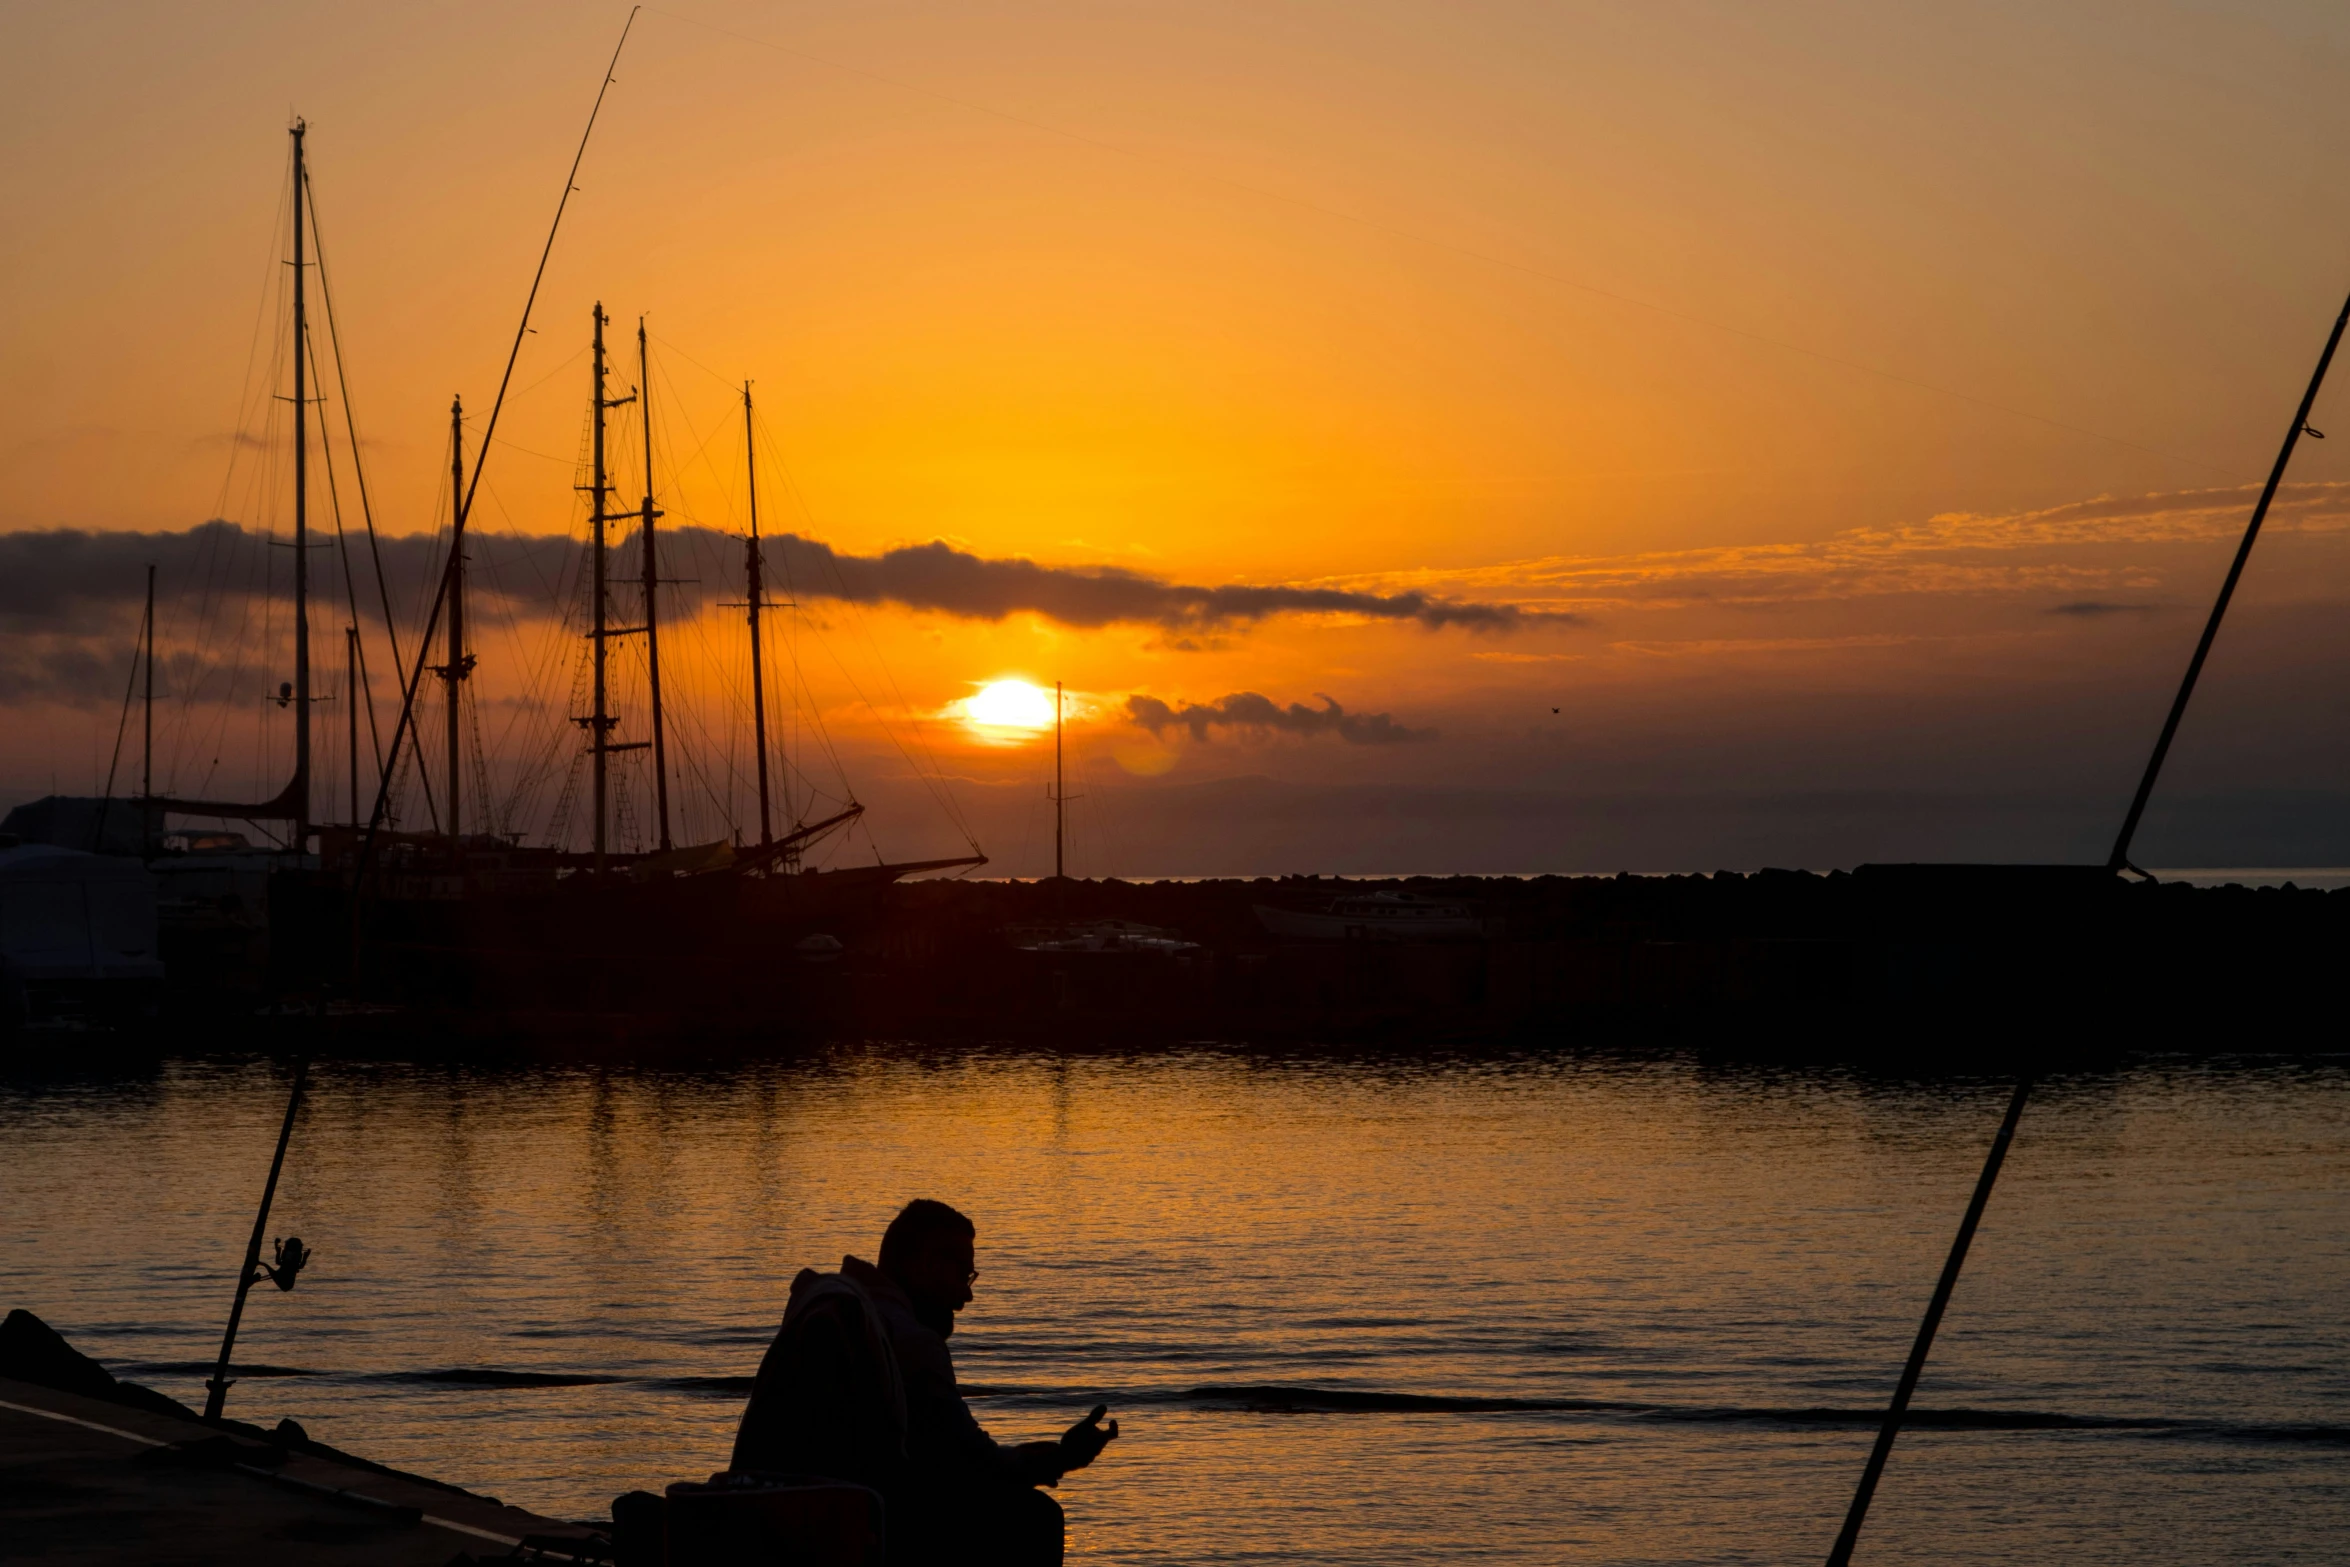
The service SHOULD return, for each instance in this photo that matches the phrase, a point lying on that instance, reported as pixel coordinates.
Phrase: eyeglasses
(970, 1276)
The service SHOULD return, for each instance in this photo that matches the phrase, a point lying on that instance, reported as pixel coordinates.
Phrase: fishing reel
(291, 1258)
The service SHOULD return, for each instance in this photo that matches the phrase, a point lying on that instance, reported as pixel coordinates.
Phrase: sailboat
(716, 929)
(458, 917)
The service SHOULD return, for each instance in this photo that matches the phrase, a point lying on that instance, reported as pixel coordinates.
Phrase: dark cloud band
(58, 578)
(1250, 713)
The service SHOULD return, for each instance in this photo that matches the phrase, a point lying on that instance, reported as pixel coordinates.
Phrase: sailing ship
(457, 916)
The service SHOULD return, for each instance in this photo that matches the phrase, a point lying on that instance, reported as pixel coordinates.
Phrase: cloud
(937, 576)
(60, 577)
(95, 672)
(1712, 645)
(51, 669)
(1254, 714)
(2092, 609)
(75, 580)
(2066, 550)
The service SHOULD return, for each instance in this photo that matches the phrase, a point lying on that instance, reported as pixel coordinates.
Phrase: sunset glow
(1008, 709)
(1574, 462)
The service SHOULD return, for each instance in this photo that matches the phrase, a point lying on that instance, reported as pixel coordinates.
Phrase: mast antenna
(756, 597)
(147, 761)
(1059, 794)
(301, 790)
(600, 723)
(460, 664)
(351, 701)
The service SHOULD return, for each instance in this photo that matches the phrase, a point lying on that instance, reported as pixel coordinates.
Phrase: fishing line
(489, 431)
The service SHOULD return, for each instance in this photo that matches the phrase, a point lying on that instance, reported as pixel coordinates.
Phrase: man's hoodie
(945, 1445)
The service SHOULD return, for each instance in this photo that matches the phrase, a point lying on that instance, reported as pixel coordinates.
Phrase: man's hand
(1083, 1442)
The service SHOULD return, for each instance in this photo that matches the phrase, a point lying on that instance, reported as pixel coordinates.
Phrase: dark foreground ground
(100, 1471)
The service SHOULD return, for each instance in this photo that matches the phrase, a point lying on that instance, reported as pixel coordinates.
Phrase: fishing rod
(290, 1259)
(2119, 860)
(1857, 1514)
(464, 505)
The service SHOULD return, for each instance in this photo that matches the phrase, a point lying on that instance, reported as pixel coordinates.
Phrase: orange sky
(1780, 349)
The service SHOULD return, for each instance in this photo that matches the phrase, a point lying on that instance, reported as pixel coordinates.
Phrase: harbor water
(1349, 1308)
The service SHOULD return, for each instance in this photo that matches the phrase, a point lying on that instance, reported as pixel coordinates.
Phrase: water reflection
(1553, 1308)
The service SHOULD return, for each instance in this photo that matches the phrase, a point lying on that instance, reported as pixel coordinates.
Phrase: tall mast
(301, 524)
(147, 764)
(758, 665)
(644, 392)
(600, 724)
(458, 666)
(351, 701)
(1060, 792)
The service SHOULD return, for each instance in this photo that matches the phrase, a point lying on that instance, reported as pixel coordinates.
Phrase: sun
(1003, 709)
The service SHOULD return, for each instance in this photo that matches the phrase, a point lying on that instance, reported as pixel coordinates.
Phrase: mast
(1060, 791)
(147, 763)
(301, 788)
(644, 392)
(600, 723)
(758, 669)
(459, 665)
(351, 701)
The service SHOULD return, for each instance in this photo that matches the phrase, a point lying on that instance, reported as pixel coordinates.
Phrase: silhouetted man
(859, 1385)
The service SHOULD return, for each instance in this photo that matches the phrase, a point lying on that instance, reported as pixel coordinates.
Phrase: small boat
(1376, 916)
(77, 939)
(1101, 936)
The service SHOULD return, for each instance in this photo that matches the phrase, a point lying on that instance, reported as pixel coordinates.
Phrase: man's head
(927, 1249)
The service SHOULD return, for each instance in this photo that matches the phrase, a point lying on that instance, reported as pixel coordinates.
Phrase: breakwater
(1753, 961)
(1917, 945)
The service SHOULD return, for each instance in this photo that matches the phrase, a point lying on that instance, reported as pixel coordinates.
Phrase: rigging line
(678, 471)
(527, 452)
(334, 499)
(799, 500)
(1409, 236)
(1840, 1555)
(691, 360)
(930, 786)
(489, 431)
(501, 603)
(471, 708)
(375, 737)
(550, 375)
(130, 687)
(941, 791)
(270, 291)
(551, 660)
(334, 335)
(729, 696)
(217, 562)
